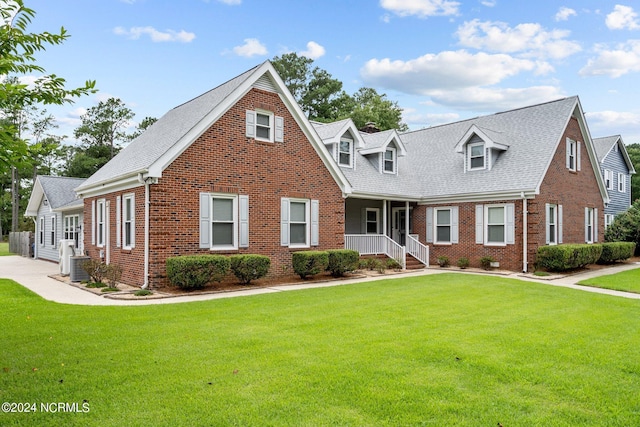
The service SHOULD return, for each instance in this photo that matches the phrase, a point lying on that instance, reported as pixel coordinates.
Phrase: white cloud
(416, 119)
(231, 2)
(564, 13)
(622, 17)
(495, 99)
(527, 39)
(614, 118)
(135, 33)
(445, 70)
(314, 50)
(489, 3)
(421, 8)
(251, 47)
(625, 58)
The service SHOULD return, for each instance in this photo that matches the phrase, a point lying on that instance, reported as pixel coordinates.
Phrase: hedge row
(336, 261)
(568, 257)
(196, 271)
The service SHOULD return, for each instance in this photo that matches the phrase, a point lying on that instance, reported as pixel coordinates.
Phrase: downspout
(147, 203)
(525, 233)
(35, 238)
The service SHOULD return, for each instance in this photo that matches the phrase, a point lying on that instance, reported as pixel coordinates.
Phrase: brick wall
(573, 190)
(224, 160)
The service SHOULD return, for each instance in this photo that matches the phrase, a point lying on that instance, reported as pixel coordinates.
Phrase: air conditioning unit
(66, 251)
(78, 274)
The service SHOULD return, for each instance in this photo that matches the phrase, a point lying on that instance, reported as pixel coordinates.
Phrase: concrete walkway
(34, 275)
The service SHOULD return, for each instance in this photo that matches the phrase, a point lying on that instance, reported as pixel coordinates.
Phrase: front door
(398, 226)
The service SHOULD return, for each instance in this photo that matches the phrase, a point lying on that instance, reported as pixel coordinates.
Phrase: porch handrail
(376, 244)
(418, 250)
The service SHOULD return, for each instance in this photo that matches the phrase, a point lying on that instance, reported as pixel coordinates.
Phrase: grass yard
(628, 281)
(4, 249)
(447, 349)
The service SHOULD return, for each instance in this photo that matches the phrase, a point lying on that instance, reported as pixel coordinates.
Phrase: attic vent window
(476, 156)
(264, 126)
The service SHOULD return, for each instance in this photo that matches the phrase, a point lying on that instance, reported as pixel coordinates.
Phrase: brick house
(616, 168)
(240, 169)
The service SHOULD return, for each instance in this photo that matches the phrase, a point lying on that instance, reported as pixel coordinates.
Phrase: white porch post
(384, 218)
(406, 222)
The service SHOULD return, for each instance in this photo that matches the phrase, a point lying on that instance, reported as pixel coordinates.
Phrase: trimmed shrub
(443, 261)
(485, 262)
(309, 263)
(196, 271)
(249, 267)
(616, 251)
(113, 274)
(342, 261)
(567, 257)
(96, 269)
(463, 262)
(626, 227)
(393, 264)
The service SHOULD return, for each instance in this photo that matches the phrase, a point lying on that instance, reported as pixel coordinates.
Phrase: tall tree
(634, 155)
(142, 126)
(17, 57)
(104, 124)
(370, 106)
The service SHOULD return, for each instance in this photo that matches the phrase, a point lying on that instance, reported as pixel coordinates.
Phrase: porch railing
(418, 250)
(376, 244)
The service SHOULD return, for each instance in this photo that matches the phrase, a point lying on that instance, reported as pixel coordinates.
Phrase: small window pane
(345, 146)
(496, 215)
(345, 159)
(477, 150)
(495, 233)
(298, 212)
(222, 210)
(222, 233)
(262, 119)
(443, 234)
(444, 217)
(262, 132)
(388, 155)
(372, 216)
(477, 162)
(298, 233)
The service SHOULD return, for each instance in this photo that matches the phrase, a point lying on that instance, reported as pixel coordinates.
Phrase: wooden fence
(21, 243)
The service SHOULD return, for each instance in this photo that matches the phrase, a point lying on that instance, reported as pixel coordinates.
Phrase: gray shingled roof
(59, 191)
(143, 151)
(604, 145)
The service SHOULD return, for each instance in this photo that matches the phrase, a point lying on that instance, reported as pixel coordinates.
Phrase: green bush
(616, 251)
(626, 227)
(393, 264)
(443, 261)
(485, 262)
(567, 257)
(249, 267)
(309, 263)
(463, 262)
(96, 269)
(342, 261)
(196, 271)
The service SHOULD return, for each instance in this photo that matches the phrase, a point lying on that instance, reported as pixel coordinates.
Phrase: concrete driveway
(34, 275)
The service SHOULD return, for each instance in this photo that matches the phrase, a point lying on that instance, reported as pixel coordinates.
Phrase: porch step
(413, 263)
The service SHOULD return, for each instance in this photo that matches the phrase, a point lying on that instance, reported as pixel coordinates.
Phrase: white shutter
(547, 220)
(279, 129)
(284, 221)
(559, 224)
(133, 220)
(454, 224)
(205, 221)
(429, 225)
(244, 221)
(93, 222)
(595, 225)
(251, 124)
(511, 224)
(119, 219)
(586, 225)
(315, 223)
(480, 224)
(568, 153)
(578, 156)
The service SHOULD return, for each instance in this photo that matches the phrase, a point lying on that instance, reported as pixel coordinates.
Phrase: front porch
(383, 227)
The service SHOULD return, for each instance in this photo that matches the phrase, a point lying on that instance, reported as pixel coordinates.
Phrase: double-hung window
(100, 222)
(608, 220)
(608, 179)
(264, 126)
(128, 221)
(53, 231)
(622, 182)
(41, 231)
(590, 225)
(72, 229)
(443, 225)
(554, 218)
(476, 156)
(573, 155)
(372, 220)
(345, 148)
(389, 160)
(496, 225)
(299, 222)
(224, 221)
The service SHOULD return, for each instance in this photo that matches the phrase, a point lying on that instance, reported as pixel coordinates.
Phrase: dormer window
(345, 152)
(476, 156)
(389, 160)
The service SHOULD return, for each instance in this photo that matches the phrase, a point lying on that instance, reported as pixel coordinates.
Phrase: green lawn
(628, 281)
(4, 249)
(447, 349)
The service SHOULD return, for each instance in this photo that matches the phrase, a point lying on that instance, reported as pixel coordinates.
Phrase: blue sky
(440, 60)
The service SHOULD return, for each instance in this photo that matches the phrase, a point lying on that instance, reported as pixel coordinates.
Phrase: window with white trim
(72, 229)
(589, 225)
(264, 123)
(372, 220)
(345, 150)
(100, 223)
(622, 183)
(128, 221)
(608, 179)
(389, 160)
(608, 220)
(552, 224)
(573, 155)
(442, 225)
(53, 231)
(264, 126)
(299, 222)
(41, 231)
(496, 225)
(224, 221)
(476, 154)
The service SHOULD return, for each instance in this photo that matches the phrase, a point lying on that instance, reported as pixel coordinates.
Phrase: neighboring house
(240, 169)
(616, 169)
(57, 213)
